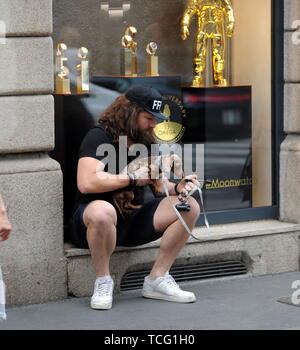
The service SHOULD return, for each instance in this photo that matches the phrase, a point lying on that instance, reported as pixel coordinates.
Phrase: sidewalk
(248, 303)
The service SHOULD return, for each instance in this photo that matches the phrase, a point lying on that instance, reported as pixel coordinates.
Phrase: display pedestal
(220, 118)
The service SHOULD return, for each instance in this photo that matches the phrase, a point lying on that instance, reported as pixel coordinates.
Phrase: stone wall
(32, 259)
(290, 148)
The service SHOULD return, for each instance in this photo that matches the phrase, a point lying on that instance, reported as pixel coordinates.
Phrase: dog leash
(158, 163)
(178, 213)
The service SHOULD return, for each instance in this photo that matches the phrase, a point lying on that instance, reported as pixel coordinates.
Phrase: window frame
(268, 212)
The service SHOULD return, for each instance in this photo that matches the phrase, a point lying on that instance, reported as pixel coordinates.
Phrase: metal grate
(134, 280)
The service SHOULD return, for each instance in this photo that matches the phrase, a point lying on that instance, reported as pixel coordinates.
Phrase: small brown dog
(157, 166)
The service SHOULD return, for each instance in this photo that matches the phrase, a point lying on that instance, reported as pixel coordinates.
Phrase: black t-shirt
(96, 137)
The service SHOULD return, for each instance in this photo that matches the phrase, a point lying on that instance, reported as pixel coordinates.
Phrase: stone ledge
(215, 233)
(13, 164)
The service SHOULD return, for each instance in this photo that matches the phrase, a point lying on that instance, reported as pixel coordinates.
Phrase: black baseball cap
(148, 98)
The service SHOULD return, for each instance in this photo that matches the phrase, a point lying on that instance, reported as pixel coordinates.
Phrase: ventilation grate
(134, 280)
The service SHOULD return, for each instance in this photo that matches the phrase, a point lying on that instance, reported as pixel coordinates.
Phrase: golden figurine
(62, 81)
(129, 53)
(83, 80)
(215, 17)
(152, 60)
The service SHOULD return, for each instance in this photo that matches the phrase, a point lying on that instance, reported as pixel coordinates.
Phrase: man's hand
(5, 226)
(184, 187)
(142, 176)
(185, 32)
(141, 170)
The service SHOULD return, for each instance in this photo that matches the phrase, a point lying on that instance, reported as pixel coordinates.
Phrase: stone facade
(290, 149)
(32, 259)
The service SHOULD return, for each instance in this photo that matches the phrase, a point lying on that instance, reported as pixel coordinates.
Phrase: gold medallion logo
(171, 131)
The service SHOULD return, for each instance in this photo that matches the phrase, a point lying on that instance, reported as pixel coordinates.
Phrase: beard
(144, 137)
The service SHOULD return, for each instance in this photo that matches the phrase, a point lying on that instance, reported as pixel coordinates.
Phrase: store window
(236, 123)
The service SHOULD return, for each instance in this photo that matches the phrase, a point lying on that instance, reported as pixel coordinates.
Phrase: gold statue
(215, 17)
(152, 60)
(83, 80)
(129, 53)
(62, 81)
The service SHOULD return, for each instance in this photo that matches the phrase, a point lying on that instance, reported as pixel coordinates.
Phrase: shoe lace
(104, 289)
(170, 282)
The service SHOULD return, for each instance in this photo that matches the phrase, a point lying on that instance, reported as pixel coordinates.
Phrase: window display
(83, 79)
(62, 81)
(129, 62)
(152, 60)
(226, 95)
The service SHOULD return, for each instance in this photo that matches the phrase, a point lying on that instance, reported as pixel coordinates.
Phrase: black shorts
(136, 229)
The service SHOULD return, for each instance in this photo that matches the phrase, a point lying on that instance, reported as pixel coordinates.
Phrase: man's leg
(100, 218)
(175, 235)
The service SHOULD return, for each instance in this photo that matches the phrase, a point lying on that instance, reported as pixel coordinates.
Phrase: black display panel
(220, 118)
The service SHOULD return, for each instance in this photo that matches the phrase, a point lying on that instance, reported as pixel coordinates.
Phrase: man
(98, 225)
(5, 226)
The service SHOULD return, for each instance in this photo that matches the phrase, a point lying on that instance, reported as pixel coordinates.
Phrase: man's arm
(91, 177)
(189, 12)
(5, 226)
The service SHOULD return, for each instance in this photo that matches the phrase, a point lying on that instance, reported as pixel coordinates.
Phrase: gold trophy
(152, 60)
(215, 17)
(62, 81)
(83, 79)
(129, 53)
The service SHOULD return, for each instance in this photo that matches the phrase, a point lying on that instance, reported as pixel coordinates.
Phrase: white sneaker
(103, 293)
(165, 288)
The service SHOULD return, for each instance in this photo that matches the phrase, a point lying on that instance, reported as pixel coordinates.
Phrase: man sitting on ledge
(97, 222)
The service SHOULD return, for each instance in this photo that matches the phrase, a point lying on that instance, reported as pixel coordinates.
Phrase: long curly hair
(121, 119)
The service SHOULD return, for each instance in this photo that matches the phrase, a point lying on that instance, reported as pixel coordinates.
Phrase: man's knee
(100, 214)
(195, 208)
